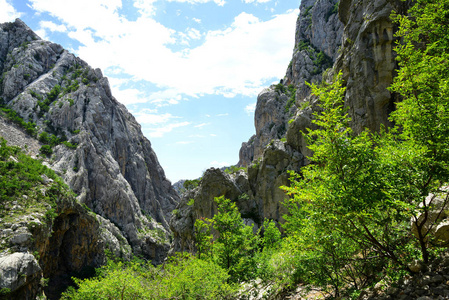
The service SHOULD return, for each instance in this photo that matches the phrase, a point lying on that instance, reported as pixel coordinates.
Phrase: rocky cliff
(93, 143)
(355, 37)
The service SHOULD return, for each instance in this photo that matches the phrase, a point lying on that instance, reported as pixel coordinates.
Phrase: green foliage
(4, 291)
(191, 202)
(191, 184)
(303, 45)
(22, 176)
(280, 88)
(36, 95)
(234, 169)
(307, 11)
(70, 145)
(321, 62)
(30, 127)
(235, 245)
(46, 150)
(351, 208)
(183, 277)
(304, 105)
(203, 238)
(54, 93)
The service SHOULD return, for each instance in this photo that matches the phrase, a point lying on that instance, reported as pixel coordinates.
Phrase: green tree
(354, 202)
(235, 244)
(203, 238)
(421, 155)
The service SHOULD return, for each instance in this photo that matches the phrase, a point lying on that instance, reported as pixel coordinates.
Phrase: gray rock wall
(317, 42)
(113, 169)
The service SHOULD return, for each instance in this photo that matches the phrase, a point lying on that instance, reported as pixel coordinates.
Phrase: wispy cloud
(250, 108)
(160, 131)
(201, 125)
(7, 12)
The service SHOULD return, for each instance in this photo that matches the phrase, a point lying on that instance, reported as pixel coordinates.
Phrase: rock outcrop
(113, 168)
(255, 191)
(317, 41)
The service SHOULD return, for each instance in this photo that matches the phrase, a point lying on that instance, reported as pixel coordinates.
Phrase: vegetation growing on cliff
(352, 210)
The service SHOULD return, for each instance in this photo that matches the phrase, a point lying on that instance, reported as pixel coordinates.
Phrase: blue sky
(189, 70)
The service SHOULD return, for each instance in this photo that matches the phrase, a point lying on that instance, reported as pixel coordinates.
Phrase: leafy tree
(423, 114)
(203, 237)
(235, 245)
(351, 208)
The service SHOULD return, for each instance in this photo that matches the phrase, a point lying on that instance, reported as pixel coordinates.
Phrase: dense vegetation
(27, 186)
(358, 213)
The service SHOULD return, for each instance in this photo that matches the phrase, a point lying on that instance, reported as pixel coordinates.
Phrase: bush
(183, 277)
(46, 150)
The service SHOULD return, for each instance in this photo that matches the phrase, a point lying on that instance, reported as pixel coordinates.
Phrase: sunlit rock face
(111, 166)
(317, 42)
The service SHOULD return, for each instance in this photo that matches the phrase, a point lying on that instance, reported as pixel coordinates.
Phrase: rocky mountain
(355, 37)
(94, 144)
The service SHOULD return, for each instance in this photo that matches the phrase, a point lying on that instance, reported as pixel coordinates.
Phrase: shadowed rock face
(113, 169)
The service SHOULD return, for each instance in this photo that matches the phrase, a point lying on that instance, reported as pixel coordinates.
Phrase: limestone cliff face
(113, 169)
(317, 40)
(355, 37)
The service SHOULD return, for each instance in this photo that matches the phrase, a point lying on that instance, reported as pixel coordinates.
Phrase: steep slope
(355, 37)
(106, 160)
(317, 40)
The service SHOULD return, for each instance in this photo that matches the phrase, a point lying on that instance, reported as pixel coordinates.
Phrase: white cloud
(250, 108)
(160, 131)
(212, 134)
(7, 12)
(233, 61)
(52, 26)
(201, 125)
(193, 33)
(145, 7)
(223, 115)
(197, 20)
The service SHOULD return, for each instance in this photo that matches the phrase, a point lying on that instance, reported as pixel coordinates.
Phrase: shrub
(46, 150)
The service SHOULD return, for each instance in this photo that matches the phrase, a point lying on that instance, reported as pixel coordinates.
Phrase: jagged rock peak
(110, 165)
